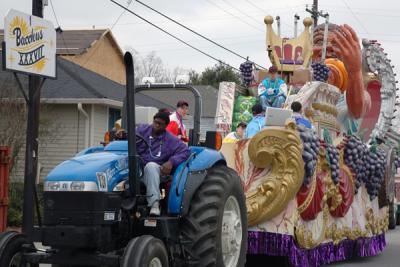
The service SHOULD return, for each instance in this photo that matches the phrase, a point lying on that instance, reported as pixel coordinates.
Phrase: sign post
(30, 48)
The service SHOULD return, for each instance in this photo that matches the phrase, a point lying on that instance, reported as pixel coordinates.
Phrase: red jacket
(177, 128)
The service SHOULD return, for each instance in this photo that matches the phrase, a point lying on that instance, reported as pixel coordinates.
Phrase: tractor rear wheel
(392, 217)
(10, 249)
(215, 230)
(145, 251)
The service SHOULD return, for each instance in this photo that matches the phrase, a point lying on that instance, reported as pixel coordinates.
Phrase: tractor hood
(103, 170)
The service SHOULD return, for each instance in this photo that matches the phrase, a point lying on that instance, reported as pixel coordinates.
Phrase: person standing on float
(176, 126)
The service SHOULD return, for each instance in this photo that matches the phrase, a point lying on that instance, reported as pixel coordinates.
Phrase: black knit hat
(163, 116)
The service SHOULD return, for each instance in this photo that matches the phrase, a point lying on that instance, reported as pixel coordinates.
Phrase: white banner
(226, 99)
(30, 44)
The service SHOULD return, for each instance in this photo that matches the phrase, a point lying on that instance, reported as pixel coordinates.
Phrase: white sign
(30, 44)
(226, 100)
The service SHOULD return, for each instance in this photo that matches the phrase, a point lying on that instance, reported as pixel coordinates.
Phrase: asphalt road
(390, 257)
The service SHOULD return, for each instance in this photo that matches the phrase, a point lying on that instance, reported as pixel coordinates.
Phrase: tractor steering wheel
(140, 139)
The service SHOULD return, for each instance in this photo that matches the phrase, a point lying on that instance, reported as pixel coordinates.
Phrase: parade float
(322, 195)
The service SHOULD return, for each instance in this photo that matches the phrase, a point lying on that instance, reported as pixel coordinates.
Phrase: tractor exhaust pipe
(130, 96)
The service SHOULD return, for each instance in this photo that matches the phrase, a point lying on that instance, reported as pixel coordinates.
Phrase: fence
(4, 178)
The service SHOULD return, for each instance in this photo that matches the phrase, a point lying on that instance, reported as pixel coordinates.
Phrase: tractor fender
(195, 179)
(189, 176)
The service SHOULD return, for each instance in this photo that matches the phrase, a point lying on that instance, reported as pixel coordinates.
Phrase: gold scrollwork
(310, 195)
(304, 236)
(333, 193)
(376, 225)
(281, 149)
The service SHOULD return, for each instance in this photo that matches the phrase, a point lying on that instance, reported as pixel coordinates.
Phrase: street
(389, 257)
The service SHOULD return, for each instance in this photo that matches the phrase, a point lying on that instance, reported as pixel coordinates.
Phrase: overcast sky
(237, 24)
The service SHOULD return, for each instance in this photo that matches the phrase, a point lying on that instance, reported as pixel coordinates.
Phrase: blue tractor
(95, 211)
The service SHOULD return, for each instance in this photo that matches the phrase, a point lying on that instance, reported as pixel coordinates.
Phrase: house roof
(171, 96)
(76, 42)
(75, 84)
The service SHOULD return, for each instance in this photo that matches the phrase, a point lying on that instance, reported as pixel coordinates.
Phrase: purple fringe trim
(273, 244)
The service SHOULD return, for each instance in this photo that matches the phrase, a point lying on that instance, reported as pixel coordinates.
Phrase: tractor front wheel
(10, 250)
(145, 251)
(215, 230)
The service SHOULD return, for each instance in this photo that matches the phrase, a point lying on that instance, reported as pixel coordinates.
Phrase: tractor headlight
(69, 186)
(120, 186)
(102, 181)
(52, 186)
(77, 186)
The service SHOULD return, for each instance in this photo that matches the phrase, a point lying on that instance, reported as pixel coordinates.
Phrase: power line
(240, 11)
(173, 36)
(112, 27)
(362, 8)
(278, 8)
(54, 13)
(74, 72)
(193, 40)
(198, 34)
(233, 15)
(62, 36)
(266, 12)
(354, 15)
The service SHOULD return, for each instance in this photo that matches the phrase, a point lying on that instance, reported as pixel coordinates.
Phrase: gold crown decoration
(289, 54)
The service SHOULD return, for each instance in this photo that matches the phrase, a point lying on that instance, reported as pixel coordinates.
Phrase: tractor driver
(163, 153)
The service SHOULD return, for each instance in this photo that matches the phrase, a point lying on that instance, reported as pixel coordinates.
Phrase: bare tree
(171, 75)
(13, 117)
(13, 114)
(153, 66)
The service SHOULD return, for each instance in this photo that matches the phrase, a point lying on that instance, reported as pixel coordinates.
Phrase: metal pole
(130, 97)
(325, 42)
(296, 19)
(278, 24)
(315, 12)
(31, 153)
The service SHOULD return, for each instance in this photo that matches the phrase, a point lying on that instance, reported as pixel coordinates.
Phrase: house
(95, 50)
(81, 105)
(87, 97)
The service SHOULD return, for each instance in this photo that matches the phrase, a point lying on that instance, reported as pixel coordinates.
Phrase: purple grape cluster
(367, 165)
(375, 172)
(246, 69)
(355, 153)
(320, 72)
(397, 160)
(311, 146)
(333, 156)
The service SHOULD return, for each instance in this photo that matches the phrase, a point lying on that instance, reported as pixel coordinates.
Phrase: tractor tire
(214, 233)
(392, 217)
(397, 219)
(145, 251)
(10, 247)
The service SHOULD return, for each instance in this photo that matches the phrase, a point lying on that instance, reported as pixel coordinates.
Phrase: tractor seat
(165, 183)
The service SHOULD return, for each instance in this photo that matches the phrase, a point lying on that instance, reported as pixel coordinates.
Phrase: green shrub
(16, 202)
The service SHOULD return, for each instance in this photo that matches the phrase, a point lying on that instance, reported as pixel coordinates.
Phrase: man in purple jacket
(165, 152)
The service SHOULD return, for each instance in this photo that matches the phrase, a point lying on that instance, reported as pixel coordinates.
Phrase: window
(113, 116)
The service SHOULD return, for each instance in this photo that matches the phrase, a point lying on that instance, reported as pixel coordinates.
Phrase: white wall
(69, 135)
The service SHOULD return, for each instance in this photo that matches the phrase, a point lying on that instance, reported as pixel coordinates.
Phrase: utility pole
(314, 12)
(31, 152)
